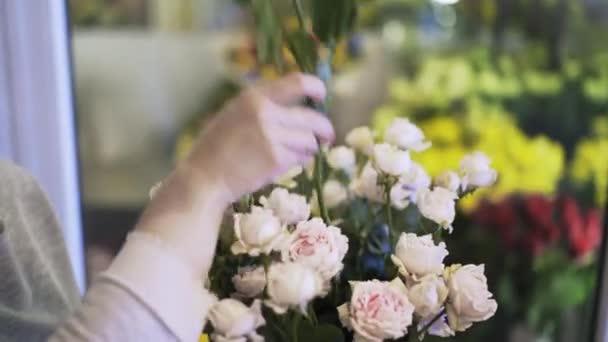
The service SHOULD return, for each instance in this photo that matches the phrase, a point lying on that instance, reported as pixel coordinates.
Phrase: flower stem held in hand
(318, 183)
(299, 13)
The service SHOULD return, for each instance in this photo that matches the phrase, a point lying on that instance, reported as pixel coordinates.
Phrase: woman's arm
(153, 290)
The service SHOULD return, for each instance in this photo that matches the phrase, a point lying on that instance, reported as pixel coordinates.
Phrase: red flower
(502, 217)
(541, 228)
(584, 231)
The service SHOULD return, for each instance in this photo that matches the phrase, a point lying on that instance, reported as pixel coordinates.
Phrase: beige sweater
(147, 294)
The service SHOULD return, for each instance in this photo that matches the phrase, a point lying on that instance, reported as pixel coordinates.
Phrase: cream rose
(475, 171)
(342, 158)
(334, 194)
(234, 322)
(404, 191)
(318, 246)
(437, 205)
(419, 256)
(428, 295)
(377, 310)
(250, 281)
(289, 208)
(448, 180)
(469, 300)
(361, 139)
(292, 284)
(366, 185)
(258, 232)
(401, 132)
(391, 160)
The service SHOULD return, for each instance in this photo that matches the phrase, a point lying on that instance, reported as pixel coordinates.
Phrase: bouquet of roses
(316, 259)
(350, 248)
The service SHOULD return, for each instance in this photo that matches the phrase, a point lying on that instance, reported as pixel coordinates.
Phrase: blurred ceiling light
(393, 34)
(445, 2)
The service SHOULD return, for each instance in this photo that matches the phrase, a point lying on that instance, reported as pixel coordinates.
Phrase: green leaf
(328, 333)
(332, 20)
(304, 50)
(268, 32)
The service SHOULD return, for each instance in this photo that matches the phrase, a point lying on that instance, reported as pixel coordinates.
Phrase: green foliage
(304, 50)
(333, 20)
(269, 36)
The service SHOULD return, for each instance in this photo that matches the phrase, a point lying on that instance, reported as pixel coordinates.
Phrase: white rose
(475, 171)
(391, 160)
(287, 180)
(250, 281)
(428, 295)
(292, 284)
(234, 322)
(404, 191)
(469, 299)
(448, 180)
(418, 255)
(361, 139)
(334, 193)
(366, 185)
(290, 208)
(342, 158)
(318, 246)
(258, 232)
(437, 205)
(377, 310)
(406, 135)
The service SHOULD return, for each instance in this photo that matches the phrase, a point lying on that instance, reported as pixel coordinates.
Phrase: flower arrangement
(363, 259)
(350, 248)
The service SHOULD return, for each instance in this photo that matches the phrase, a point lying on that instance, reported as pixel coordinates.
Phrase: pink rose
(318, 246)
(377, 310)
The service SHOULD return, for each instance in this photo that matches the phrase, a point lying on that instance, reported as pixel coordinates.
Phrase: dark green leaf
(327, 333)
(332, 20)
(268, 32)
(304, 50)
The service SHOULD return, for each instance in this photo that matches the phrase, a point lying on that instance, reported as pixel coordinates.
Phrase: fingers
(300, 142)
(300, 118)
(294, 88)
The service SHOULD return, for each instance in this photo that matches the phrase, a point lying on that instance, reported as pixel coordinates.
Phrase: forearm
(154, 287)
(147, 291)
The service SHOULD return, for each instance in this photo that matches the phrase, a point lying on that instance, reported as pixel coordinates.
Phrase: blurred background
(525, 81)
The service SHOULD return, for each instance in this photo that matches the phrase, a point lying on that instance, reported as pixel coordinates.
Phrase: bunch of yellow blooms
(590, 164)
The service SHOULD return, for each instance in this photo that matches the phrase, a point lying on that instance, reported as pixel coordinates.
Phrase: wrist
(186, 213)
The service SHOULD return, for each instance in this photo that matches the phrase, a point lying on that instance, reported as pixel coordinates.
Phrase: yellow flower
(203, 338)
(590, 164)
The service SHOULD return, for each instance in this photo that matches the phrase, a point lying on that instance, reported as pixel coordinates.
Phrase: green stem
(389, 210)
(412, 334)
(427, 326)
(312, 315)
(299, 12)
(318, 183)
(296, 322)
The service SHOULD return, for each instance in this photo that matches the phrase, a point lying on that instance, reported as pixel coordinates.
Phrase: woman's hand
(261, 135)
(258, 136)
